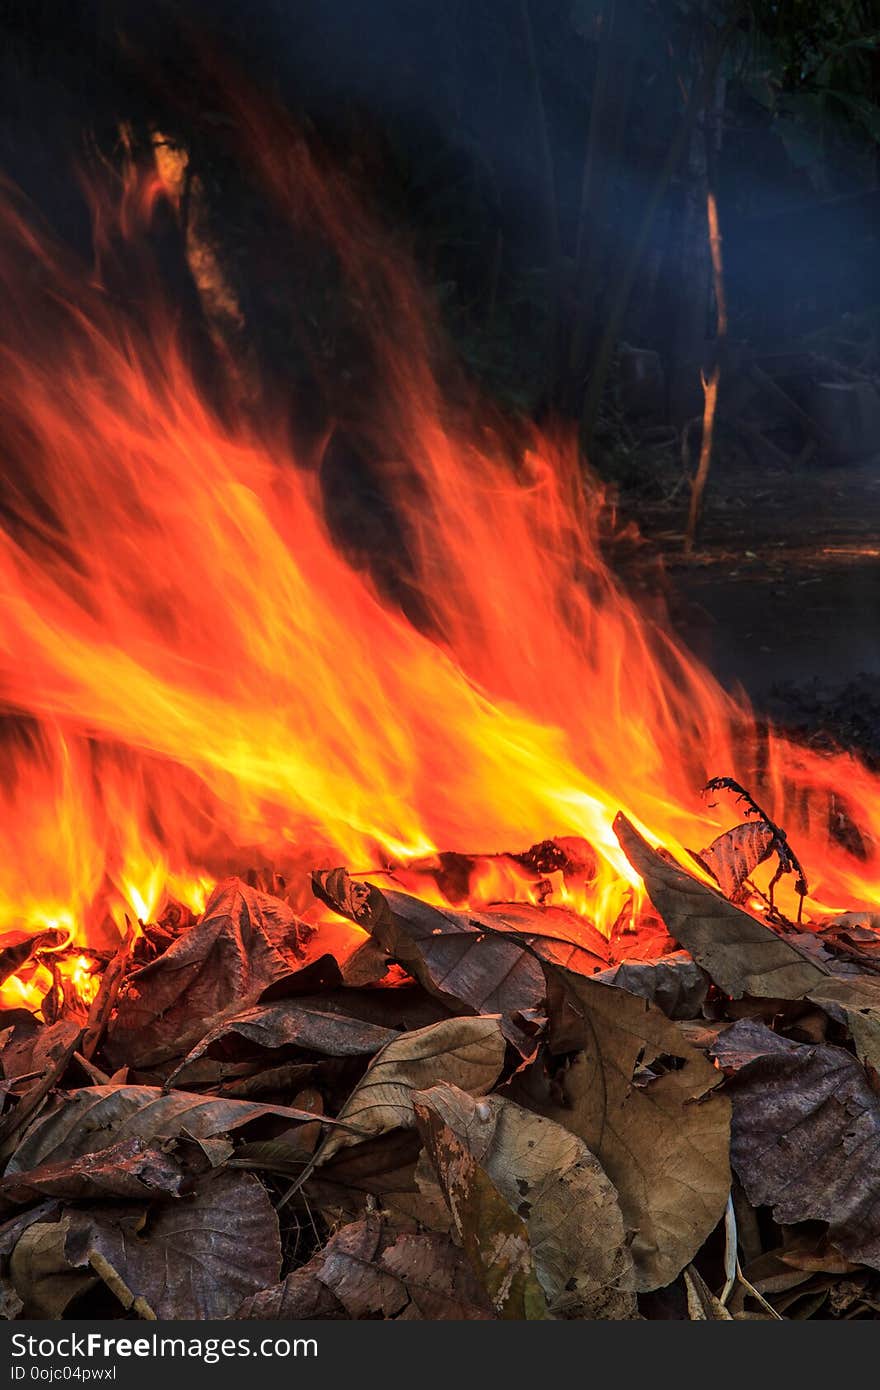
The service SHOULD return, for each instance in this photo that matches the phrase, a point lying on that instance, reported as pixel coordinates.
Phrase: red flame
(208, 680)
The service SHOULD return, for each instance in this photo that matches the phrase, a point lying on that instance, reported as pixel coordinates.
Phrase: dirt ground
(785, 587)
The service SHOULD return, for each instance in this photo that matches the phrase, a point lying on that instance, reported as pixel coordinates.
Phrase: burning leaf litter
(521, 1085)
(494, 1126)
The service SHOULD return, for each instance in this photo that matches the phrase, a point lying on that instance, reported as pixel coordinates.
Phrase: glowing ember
(208, 683)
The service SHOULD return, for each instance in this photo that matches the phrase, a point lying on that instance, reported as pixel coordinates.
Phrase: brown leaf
(675, 983)
(197, 1258)
(466, 1051)
(805, 1138)
(460, 958)
(741, 954)
(369, 1270)
(734, 855)
(551, 1180)
(384, 1167)
(41, 1275)
(95, 1117)
(244, 942)
(127, 1170)
(703, 1306)
(301, 1023)
(640, 1097)
(556, 934)
(35, 1050)
(494, 1238)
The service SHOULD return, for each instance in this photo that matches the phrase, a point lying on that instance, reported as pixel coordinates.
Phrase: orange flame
(206, 678)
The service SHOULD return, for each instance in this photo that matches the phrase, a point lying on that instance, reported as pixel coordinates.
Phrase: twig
(713, 381)
(131, 1302)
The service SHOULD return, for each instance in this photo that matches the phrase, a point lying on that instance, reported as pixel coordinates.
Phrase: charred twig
(788, 860)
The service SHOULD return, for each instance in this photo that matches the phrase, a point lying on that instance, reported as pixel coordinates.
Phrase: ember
(212, 703)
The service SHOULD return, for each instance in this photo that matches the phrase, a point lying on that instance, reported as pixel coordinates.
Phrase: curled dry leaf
(370, 1270)
(806, 1134)
(466, 1051)
(244, 942)
(741, 954)
(744, 956)
(461, 958)
(703, 1306)
(494, 1237)
(127, 1170)
(197, 1258)
(95, 1117)
(641, 1098)
(551, 1180)
(297, 1023)
(734, 855)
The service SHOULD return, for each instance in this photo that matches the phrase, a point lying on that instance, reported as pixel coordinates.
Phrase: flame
(197, 676)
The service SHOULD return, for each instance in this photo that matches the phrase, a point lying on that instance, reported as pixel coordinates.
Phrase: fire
(198, 679)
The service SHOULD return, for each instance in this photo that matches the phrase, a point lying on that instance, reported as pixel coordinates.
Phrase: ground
(785, 587)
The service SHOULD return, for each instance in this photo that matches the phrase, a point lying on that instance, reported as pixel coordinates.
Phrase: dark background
(548, 163)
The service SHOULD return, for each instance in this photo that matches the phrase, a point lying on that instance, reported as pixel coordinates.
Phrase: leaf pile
(518, 1120)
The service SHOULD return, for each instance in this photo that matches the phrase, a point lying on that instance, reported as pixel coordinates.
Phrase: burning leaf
(127, 1170)
(299, 1023)
(96, 1117)
(551, 1180)
(640, 1097)
(197, 1258)
(17, 947)
(244, 942)
(457, 956)
(734, 855)
(369, 1270)
(806, 1134)
(466, 1051)
(494, 1238)
(741, 954)
(676, 984)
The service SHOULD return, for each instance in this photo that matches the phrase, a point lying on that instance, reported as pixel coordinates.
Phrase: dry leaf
(805, 1138)
(461, 958)
(466, 1051)
(95, 1117)
(741, 954)
(551, 1180)
(641, 1098)
(494, 1238)
(369, 1270)
(197, 1258)
(42, 1275)
(244, 942)
(703, 1306)
(298, 1023)
(127, 1170)
(676, 984)
(734, 855)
